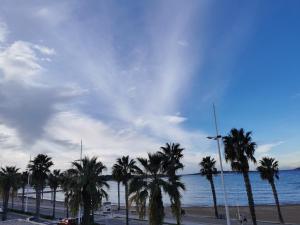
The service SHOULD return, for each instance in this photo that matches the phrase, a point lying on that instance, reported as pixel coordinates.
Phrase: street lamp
(217, 138)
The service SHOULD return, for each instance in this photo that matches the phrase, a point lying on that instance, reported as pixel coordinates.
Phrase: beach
(291, 213)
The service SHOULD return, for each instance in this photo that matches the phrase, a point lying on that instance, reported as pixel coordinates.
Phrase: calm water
(198, 192)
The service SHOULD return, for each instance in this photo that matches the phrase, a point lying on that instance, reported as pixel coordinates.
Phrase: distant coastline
(229, 171)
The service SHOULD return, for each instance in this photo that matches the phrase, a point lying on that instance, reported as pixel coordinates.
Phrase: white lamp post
(221, 166)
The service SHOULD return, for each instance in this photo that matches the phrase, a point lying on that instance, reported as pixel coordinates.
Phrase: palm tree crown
(268, 169)
(54, 179)
(125, 168)
(172, 154)
(40, 168)
(208, 167)
(239, 148)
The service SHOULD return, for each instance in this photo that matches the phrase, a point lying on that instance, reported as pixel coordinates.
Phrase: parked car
(68, 221)
(106, 207)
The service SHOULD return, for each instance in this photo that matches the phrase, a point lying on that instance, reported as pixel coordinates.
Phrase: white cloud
(265, 148)
(134, 83)
(45, 50)
(20, 61)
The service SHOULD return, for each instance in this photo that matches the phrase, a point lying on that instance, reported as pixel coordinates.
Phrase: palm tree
(87, 173)
(125, 168)
(14, 190)
(39, 168)
(239, 150)
(66, 184)
(54, 181)
(149, 183)
(172, 156)
(268, 170)
(8, 179)
(208, 169)
(117, 176)
(23, 183)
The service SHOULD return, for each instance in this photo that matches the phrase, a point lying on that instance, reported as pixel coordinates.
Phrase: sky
(127, 77)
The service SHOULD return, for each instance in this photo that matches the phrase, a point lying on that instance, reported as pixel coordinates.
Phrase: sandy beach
(291, 213)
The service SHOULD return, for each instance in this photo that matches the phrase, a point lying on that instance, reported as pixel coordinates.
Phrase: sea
(198, 191)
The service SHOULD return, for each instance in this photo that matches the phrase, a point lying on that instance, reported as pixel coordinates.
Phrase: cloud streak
(265, 148)
(116, 78)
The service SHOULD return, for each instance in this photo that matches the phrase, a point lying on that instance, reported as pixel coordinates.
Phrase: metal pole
(28, 179)
(79, 208)
(221, 166)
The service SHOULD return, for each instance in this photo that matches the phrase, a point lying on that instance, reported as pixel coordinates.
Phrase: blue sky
(126, 78)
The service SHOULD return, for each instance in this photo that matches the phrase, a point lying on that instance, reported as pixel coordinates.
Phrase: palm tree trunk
(177, 209)
(126, 202)
(12, 199)
(5, 204)
(86, 209)
(67, 205)
(54, 201)
(250, 197)
(38, 202)
(23, 198)
(214, 197)
(118, 195)
(277, 201)
(156, 208)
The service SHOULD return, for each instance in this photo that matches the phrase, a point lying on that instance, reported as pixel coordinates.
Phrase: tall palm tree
(208, 169)
(54, 181)
(125, 167)
(8, 179)
(89, 191)
(14, 190)
(239, 150)
(66, 184)
(39, 168)
(171, 163)
(117, 176)
(268, 170)
(23, 183)
(149, 183)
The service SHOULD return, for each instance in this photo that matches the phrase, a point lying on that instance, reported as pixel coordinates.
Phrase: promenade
(116, 218)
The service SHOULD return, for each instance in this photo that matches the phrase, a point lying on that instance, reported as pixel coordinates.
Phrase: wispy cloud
(115, 79)
(265, 148)
(3, 31)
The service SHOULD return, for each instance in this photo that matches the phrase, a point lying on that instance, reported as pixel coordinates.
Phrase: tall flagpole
(28, 179)
(79, 208)
(221, 165)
